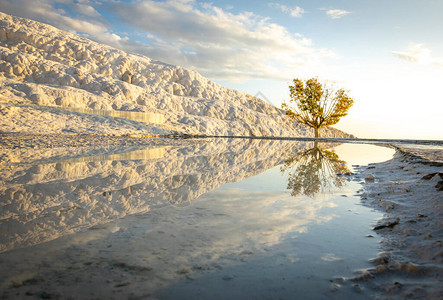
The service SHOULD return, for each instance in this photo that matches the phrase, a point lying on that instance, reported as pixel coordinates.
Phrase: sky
(387, 53)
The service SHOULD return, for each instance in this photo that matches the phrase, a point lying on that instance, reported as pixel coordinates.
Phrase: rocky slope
(42, 66)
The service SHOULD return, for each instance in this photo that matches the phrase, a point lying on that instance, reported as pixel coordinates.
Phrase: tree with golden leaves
(317, 105)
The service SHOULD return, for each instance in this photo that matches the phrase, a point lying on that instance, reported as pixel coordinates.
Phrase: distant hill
(44, 69)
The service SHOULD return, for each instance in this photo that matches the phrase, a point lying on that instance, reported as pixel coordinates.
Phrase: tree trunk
(316, 132)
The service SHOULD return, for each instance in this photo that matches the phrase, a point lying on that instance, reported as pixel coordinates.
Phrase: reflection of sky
(58, 197)
(262, 217)
(241, 231)
(256, 222)
(262, 183)
(235, 231)
(360, 154)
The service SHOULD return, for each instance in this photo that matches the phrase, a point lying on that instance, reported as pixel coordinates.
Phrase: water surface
(207, 220)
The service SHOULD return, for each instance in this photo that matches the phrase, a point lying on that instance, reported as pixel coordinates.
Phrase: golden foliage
(317, 105)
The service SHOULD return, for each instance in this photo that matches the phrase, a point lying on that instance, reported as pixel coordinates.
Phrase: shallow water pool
(221, 219)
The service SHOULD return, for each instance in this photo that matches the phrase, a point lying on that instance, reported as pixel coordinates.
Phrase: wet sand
(409, 190)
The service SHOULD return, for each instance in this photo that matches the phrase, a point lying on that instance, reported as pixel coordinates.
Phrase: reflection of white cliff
(41, 65)
(232, 227)
(44, 201)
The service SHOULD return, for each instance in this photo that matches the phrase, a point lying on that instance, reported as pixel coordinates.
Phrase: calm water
(207, 220)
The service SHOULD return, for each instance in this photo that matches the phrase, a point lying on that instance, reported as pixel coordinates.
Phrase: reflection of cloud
(222, 230)
(330, 257)
(227, 228)
(337, 13)
(262, 219)
(296, 12)
(254, 220)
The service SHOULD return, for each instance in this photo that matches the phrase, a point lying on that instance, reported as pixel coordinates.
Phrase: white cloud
(83, 7)
(418, 53)
(50, 12)
(215, 42)
(414, 53)
(296, 12)
(223, 45)
(337, 13)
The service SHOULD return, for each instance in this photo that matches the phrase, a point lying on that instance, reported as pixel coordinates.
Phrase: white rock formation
(42, 65)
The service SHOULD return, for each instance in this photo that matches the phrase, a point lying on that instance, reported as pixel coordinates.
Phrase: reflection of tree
(313, 170)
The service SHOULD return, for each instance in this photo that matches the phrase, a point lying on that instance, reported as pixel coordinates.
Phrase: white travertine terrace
(43, 66)
(144, 117)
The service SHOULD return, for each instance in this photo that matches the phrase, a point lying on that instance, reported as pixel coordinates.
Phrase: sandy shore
(409, 189)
